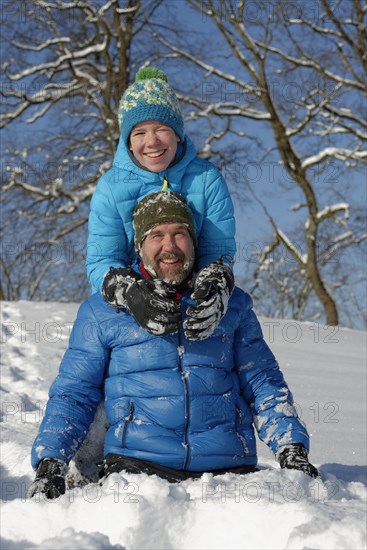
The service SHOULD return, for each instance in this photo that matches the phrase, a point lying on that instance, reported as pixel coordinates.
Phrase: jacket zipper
(187, 404)
(127, 422)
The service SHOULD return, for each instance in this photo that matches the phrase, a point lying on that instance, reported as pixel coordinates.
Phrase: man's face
(153, 144)
(168, 252)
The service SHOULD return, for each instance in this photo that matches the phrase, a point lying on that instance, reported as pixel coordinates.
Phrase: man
(177, 407)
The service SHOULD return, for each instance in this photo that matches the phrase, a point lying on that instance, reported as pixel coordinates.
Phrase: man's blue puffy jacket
(110, 230)
(178, 403)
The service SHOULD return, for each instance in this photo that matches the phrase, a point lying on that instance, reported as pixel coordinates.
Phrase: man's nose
(169, 243)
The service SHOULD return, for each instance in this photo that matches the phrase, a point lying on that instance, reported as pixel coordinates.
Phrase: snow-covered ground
(271, 509)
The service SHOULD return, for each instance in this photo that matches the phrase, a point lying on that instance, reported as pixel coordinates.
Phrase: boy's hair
(149, 98)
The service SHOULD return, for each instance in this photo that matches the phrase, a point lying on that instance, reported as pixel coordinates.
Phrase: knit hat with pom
(149, 98)
(161, 207)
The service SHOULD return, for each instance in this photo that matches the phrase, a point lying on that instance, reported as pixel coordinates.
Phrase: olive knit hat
(149, 98)
(161, 207)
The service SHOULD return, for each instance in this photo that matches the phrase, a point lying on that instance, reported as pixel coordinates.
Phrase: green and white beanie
(149, 98)
(158, 208)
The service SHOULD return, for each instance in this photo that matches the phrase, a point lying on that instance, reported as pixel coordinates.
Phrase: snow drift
(273, 508)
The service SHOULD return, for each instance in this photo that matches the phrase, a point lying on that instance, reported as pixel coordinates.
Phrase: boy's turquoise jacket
(188, 405)
(111, 235)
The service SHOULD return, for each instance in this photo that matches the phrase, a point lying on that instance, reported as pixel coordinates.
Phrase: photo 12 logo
(269, 491)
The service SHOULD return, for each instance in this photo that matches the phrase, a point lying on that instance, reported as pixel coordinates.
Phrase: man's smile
(170, 261)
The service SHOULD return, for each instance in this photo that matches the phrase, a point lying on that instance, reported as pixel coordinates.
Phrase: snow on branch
(306, 61)
(222, 109)
(338, 127)
(229, 109)
(316, 28)
(343, 121)
(330, 211)
(39, 113)
(280, 236)
(50, 94)
(210, 69)
(335, 152)
(42, 46)
(312, 111)
(265, 258)
(340, 242)
(70, 56)
(297, 207)
(301, 258)
(345, 113)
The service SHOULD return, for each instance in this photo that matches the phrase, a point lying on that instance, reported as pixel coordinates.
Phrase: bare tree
(65, 67)
(276, 84)
(299, 70)
(284, 290)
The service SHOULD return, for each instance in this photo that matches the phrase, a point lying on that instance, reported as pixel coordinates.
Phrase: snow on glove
(151, 302)
(213, 287)
(50, 478)
(295, 457)
(154, 307)
(116, 283)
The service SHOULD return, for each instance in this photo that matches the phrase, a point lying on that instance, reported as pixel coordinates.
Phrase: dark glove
(116, 283)
(151, 302)
(154, 307)
(295, 457)
(50, 478)
(213, 287)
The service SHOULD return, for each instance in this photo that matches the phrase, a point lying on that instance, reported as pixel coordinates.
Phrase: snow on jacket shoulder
(110, 231)
(182, 404)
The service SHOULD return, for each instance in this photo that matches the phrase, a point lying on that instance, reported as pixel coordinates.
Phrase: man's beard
(175, 275)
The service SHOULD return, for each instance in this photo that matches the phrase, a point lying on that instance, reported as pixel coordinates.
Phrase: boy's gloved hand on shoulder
(295, 457)
(213, 287)
(151, 302)
(50, 478)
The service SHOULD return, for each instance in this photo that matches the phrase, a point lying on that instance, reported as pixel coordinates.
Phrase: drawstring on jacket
(165, 183)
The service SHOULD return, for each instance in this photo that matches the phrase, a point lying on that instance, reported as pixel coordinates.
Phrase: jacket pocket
(127, 422)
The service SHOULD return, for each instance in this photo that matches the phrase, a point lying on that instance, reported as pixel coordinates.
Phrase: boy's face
(153, 144)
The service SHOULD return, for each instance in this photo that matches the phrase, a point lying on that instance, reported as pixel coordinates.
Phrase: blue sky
(253, 229)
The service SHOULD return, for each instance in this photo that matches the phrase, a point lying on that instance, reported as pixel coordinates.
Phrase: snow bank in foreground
(270, 509)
